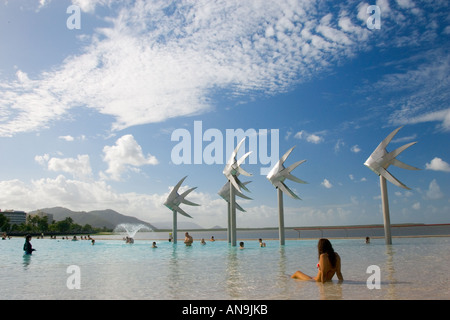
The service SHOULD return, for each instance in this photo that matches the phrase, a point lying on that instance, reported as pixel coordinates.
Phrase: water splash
(131, 228)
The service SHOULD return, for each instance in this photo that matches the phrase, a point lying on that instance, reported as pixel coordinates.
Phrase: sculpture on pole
(277, 175)
(378, 162)
(224, 192)
(173, 203)
(231, 171)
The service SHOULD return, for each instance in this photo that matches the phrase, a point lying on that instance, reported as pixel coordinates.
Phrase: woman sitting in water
(329, 264)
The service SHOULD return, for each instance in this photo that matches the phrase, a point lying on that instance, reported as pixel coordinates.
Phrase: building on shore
(14, 216)
(42, 214)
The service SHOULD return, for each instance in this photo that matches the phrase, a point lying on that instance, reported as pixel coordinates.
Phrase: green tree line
(37, 224)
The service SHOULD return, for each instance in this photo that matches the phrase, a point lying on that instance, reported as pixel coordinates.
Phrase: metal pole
(229, 223)
(385, 206)
(280, 216)
(174, 226)
(233, 215)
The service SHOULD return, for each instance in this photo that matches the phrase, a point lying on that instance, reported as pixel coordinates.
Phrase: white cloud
(446, 30)
(124, 155)
(309, 137)
(442, 116)
(42, 160)
(384, 6)
(313, 138)
(67, 138)
(326, 183)
(89, 5)
(74, 194)
(338, 145)
(412, 93)
(362, 11)
(437, 164)
(79, 168)
(405, 4)
(22, 77)
(98, 195)
(159, 61)
(355, 149)
(434, 191)
(416, 206)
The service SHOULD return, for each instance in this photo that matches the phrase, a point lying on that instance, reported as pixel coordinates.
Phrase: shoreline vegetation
(36, 226)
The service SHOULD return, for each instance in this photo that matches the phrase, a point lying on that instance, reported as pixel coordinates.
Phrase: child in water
(27, 247)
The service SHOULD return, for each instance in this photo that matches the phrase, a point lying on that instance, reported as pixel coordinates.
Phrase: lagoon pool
(412, 268)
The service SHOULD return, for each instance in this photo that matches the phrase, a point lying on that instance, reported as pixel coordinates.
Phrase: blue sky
(87, 115)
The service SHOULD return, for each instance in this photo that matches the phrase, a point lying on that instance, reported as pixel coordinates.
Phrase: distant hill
(98, 218)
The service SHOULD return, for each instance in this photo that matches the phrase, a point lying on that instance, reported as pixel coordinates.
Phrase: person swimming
(261, 243)
(27, 247)
(129, 240)
(329, 264)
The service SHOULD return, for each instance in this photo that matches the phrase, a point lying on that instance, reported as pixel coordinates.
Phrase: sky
(108, 104)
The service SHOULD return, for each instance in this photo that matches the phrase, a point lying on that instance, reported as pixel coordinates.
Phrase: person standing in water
(261, 243)
(329, 264)
(188, 239)
(27, 247)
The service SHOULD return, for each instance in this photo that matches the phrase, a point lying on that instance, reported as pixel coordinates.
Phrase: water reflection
(234, 278)
(282, 261)
(175, 279)
(392, 294)
(26, 261)
(330, 290)
(283, 278)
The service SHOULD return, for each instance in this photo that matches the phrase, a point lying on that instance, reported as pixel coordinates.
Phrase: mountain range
(98, 218)
(108, 218)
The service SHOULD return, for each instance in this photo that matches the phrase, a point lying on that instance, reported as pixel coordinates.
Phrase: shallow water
(412, 268)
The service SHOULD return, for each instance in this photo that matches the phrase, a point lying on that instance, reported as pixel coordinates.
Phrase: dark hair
(324, 246)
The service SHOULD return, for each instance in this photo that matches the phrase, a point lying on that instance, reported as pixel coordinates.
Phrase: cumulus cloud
(61, 191)
(309, 137)
(98, 195)
(437, 164)
(79, 168)
(326, 183)
(42, 160)
(124, 155)
(434, 191)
